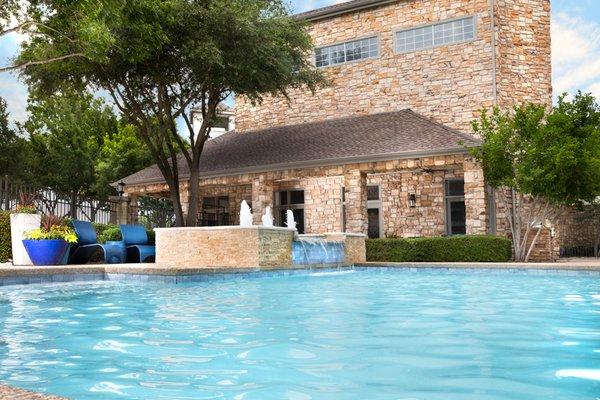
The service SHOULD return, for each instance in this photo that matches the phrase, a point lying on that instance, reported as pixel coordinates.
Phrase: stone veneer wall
(228, 247)
(323, 194)
(447, 83)
(524, 52)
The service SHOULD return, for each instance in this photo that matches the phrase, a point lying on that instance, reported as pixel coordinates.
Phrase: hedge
(109, 232)
(440, 249)
(5, 243)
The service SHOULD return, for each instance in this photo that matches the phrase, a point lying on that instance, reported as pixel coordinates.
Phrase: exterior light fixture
(121, 188)
(412, 200)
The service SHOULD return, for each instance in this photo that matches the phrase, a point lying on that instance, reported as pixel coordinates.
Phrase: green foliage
(553, 156)
(5, 239)
(111, 234)
(66, 137)
(440, 249)
(158, 59)
(13, 148)
(121, 155)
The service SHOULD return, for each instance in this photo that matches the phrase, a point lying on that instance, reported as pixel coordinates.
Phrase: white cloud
(575, 54)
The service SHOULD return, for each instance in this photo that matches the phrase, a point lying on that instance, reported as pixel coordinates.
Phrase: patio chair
(87, 244)
(136, 242)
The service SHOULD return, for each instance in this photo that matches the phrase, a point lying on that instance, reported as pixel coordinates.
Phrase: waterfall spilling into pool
(316, 250)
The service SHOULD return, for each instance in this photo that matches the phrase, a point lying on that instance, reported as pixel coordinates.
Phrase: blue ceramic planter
(46, 252)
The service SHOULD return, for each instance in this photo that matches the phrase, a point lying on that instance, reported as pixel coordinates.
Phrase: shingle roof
(340, 8)
(376, 137)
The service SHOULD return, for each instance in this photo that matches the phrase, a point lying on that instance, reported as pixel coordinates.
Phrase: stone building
(384, 149)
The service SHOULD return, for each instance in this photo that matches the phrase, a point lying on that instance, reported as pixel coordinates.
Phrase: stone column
(132, 213)
(262, 196)
(355, 189)
(475, 198)
(119, 210)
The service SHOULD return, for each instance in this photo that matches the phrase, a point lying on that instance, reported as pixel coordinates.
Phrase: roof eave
(330, 12)
(320, 163)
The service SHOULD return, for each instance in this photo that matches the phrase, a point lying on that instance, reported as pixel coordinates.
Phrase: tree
(34, 18)
(66, 135)
(547, 160)
(165, 57)
(13, 148)
(122, 153)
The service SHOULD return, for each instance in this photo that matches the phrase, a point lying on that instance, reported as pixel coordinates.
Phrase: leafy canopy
(157, 59)
(551, 155)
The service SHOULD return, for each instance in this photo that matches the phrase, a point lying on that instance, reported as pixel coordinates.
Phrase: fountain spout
(290, 222)
(267, 218)
(245, 214)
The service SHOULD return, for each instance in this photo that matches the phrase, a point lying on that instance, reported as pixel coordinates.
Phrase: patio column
(355, 190)
(475, 198)
(262, 196)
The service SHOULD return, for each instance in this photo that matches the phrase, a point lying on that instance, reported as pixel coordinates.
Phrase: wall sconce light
(412, 200)
(121, 188)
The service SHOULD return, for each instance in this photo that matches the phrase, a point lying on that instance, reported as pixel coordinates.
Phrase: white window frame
(344, 43)
(433, 46)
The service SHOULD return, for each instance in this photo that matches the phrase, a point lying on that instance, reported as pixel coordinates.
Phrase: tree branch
(39, 62)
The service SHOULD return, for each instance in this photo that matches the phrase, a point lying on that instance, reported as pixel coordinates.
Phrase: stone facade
(337, 194)
(448, 83)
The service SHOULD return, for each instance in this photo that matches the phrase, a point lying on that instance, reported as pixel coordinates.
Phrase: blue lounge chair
(136, 241)
(87, 244)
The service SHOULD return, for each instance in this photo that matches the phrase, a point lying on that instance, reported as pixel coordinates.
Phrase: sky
(575, 51)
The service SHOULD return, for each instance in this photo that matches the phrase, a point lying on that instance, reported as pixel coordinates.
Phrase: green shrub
(440, 249)
(110, 234)
(100, 228)
(5, 243)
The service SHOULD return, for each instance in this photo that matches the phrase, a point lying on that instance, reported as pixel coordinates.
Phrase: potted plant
(22, 219)
(49, 244)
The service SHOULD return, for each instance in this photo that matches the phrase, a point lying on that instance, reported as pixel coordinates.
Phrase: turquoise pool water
(385, 334)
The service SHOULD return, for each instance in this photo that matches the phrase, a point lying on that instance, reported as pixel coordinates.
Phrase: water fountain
(290, 222)
(245, 214)
(267, 218)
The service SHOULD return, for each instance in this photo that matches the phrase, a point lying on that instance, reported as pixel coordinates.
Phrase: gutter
(317, 163)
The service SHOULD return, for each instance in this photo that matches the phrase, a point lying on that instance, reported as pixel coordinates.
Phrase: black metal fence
(151, 213)
(579, 251)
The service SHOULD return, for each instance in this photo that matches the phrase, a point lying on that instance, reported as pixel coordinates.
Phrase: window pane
(458, 224)
(299, 218)
(283, 198)
(373, 217)
(373, 192)
(297, 197)
(348, 51)
(436, 34)
(455, 188)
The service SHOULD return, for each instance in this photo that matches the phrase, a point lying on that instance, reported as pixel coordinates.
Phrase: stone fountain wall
(239, 247)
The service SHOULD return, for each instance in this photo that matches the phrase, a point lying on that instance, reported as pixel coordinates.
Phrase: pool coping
(151, 272)
(10, 392)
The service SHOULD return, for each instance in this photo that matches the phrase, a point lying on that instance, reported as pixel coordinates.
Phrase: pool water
(382, 334)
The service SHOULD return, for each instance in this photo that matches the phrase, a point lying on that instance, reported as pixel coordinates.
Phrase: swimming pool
(376, 334)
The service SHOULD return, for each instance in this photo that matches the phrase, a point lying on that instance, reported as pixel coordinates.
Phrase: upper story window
(348, 51)
(442, 33)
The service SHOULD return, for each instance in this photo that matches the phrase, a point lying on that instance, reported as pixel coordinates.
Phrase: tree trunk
(193, 197)
(73, 205)
(176, 199)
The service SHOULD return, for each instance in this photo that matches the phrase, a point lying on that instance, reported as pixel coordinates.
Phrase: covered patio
(391, 174)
